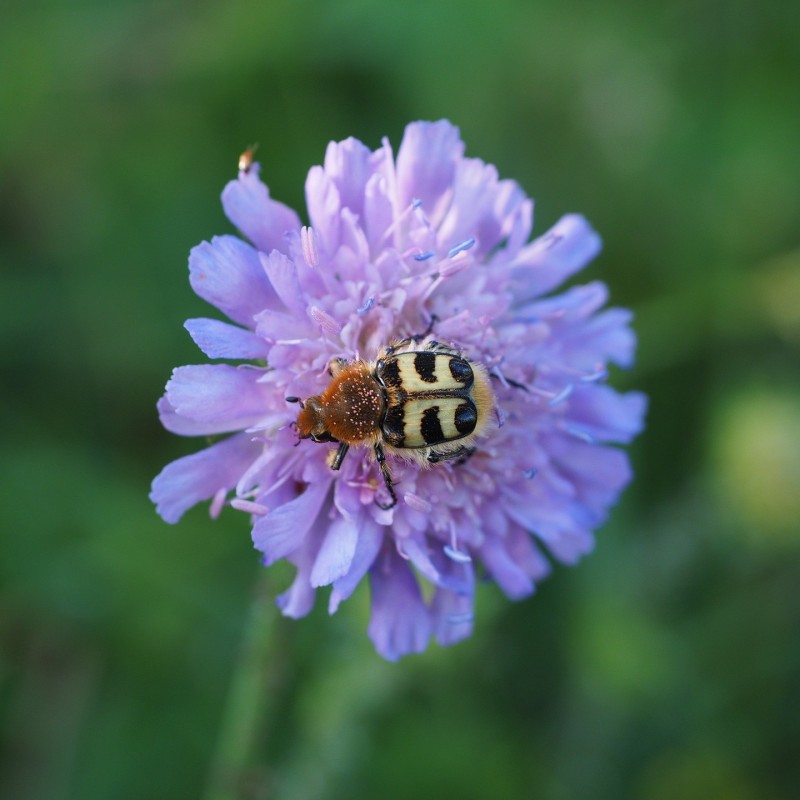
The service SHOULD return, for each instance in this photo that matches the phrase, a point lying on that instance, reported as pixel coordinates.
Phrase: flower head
(396, 245)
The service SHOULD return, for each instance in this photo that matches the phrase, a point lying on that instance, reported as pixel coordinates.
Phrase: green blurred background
(666, 665)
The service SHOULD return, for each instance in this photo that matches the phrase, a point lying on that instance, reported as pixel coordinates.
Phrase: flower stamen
(308, 241)
(460, 248)
(249, 507)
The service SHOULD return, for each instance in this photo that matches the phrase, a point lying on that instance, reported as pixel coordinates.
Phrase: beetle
(423, 403)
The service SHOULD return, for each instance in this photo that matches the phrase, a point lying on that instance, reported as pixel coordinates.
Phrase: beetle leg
(420, 336)
(416, 338)
(462, 453)
(387, 478)
(340, 454)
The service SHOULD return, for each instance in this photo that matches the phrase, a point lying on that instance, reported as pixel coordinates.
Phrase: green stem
(234, 775)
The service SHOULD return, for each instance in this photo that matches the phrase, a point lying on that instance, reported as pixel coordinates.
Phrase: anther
(459, 248)
(561, 396)
(417, 503)
(325, 321)
(531, 473)
(217, 503)
(308, 240)
(424, 256)
(367, 305)
(456, 266)
(579, 433)
(600, 374)
(459, 556)
(249, 507)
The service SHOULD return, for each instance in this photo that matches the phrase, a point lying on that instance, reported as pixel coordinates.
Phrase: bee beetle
(424, 403)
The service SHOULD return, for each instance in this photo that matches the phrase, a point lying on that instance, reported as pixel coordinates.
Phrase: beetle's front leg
(387, 478)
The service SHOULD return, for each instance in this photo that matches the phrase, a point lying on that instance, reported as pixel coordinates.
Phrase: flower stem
(234, 773)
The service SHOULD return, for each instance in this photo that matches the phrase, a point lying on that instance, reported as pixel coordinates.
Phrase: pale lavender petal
(218, 393)
(221, 340)
(378, 211)
(368, 545)
(349, 164)
(426, 164)
(336, 552)
(298, 599)
(183, 426)
(606, 416)
(324, 204)
(598, 473)
(262, 220)
(399, 622)
(200, 476)
(282, 274)
(277, 326)
(549, 260)
(452, 612)
(283, 531)
(505, 571)
(228, 274)
(416, 548)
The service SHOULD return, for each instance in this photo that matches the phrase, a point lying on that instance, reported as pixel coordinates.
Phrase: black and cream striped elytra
(422, 402)
(429, 398)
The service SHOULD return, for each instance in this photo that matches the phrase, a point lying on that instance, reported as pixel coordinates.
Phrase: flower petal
(249, 207)
(426, 164)
(282, 274)
(283, 531)
(604, 415)
(298, 599)
(227, 273)
(399, 623)
(336, 552)
(505, 572)
(220, 340)
(197, 477)
(324, 204)
(549, 260)
(368, 545)
(415, 546)
(218, 393)
(350, 164)
(452, 612)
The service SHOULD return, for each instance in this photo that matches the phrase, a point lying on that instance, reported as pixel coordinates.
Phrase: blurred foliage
(666, 665)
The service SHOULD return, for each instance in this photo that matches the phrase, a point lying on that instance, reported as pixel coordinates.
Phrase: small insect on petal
(246, 158)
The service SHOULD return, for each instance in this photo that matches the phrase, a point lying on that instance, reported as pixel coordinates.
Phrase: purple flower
(394, 244)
